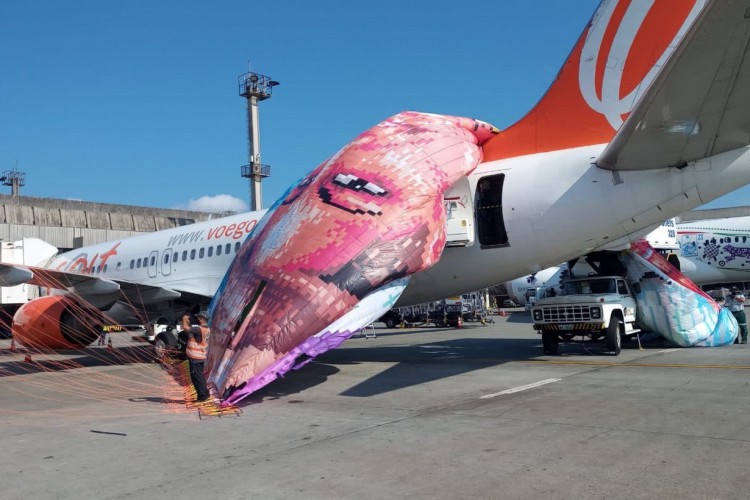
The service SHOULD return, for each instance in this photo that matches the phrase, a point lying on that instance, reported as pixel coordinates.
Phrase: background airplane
(127, 281)
(716, 251)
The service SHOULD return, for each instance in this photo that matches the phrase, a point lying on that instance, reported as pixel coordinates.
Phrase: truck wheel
(389, 323)
(165, 346)
(550, 343)
(615, 331)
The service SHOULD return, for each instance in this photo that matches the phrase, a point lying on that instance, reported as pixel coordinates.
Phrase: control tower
(255, 88)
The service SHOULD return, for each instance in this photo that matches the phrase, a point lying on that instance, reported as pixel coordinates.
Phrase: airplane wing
(83, 284)
(699, 104)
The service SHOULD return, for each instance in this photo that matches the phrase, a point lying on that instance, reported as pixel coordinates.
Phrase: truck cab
(594, 308)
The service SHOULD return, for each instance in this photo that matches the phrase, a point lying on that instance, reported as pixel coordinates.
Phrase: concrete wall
(58, 222)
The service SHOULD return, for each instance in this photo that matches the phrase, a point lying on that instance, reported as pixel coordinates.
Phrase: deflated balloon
(369, 215)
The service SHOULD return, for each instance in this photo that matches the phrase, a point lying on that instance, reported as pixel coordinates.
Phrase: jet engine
(56, 322)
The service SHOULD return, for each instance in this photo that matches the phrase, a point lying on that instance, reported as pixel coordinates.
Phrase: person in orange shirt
(197, 346)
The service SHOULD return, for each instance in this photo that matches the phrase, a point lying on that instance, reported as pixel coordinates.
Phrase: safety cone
(460, 322)
(12, 344)
(502, 312)
(28, 359)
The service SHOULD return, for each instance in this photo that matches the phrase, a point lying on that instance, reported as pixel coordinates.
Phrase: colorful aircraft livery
(369, 215)
(672, 305)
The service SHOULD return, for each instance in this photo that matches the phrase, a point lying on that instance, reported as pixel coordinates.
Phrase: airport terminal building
(69, 224)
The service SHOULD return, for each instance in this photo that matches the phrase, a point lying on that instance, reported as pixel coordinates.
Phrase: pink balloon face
(368, 215)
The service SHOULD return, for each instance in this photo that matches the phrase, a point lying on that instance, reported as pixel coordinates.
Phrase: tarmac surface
(476, 412)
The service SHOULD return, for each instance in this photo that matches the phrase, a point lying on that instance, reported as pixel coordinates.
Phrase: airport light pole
(255, 88)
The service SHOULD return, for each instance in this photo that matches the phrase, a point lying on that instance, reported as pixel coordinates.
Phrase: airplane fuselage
(558, 206)
(192, 258)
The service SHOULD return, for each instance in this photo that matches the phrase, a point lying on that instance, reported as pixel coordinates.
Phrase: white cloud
(216, 204)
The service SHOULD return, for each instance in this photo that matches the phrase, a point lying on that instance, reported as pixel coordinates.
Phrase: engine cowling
(56, 322)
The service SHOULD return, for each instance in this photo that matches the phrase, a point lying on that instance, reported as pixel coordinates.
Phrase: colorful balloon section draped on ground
(336, 251)
(672, 305)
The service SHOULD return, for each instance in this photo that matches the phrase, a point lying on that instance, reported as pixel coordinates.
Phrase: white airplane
(165, 273)
(648, 118)
(715, 251)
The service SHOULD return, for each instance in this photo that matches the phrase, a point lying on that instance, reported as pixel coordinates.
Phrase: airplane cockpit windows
(489, 211)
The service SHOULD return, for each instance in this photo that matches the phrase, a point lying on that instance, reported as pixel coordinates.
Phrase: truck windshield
(584, 287)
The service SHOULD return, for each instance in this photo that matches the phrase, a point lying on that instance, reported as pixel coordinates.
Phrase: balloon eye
(355, 183)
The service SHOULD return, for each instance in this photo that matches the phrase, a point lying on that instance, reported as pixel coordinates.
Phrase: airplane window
(210, 251)
(138, 263)
(117, 267)
(132, 264)
(218, 249)
(228, 248)
(192, 254)
(174, 257)
(237, 247)
(153, 260)
(105, 268)
(201, 252)
(166, 258)
(184, 255)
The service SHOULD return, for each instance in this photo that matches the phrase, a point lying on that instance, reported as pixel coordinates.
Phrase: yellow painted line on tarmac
(652, 365)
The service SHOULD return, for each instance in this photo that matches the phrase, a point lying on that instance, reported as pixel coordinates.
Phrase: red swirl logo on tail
(613, 63)
(609, 81)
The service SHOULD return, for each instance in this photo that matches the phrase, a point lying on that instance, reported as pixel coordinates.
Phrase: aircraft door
(153, 262)
(459, 211)
(166, 262)
(488, 203)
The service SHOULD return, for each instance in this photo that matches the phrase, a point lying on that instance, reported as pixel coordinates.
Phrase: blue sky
(136, 102)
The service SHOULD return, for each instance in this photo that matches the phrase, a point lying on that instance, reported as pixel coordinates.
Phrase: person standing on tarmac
(736, 305)
(197, 345)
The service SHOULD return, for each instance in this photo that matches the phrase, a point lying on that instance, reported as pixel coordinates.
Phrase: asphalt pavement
(476, 412)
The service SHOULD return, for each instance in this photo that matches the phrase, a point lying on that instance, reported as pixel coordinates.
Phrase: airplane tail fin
(614, 61)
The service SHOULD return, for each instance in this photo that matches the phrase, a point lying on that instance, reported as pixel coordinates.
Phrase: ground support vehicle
(594, 308)
(169, 341)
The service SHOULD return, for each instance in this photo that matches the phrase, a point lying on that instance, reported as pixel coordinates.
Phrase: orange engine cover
(56, 322)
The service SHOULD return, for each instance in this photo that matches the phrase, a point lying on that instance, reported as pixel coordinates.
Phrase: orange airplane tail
(612, 64)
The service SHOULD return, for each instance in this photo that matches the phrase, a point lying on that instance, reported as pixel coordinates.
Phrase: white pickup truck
(595, 307)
